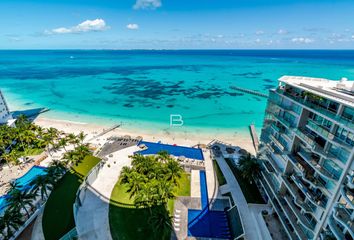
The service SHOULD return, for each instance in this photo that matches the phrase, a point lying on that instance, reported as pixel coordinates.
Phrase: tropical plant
(249, 167)
(10, 221)
(42, 184)
(20, 199)
(173, 171)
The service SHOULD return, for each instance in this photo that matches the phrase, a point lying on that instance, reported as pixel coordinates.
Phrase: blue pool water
(24, 182)
(154, 148)
(204, 222)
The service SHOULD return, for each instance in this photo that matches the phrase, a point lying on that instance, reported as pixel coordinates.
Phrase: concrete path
(210, 176)
(195, 184)
(37, 231)
(252, 231)
(92, 218)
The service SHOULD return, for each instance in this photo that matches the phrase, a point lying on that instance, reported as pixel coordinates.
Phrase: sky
(177, 24)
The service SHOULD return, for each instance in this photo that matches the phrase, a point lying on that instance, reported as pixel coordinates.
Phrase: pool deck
(92, 217)
(195, 184)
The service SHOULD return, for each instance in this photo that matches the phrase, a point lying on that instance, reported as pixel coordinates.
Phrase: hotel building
(5, 115)
(307, 152)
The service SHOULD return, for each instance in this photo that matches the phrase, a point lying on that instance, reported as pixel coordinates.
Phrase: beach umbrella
(127, 137)
(142, 146)
(139, 138)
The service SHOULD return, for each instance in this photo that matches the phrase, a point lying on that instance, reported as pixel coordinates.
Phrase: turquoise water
(142, 88)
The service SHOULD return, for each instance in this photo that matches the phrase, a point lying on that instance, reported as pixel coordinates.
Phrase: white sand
(242, 140)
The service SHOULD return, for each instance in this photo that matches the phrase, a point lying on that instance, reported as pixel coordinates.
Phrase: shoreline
(241, 139)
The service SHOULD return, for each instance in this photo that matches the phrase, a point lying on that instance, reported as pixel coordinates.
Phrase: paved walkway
(256, 211)
(92, 218)
(252, 231)
(195, 184)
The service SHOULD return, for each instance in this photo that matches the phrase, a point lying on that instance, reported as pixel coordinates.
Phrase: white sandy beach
(181, 138)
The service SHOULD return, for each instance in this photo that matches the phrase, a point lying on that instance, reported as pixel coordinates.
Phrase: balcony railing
(335, 229)
(318, 108)
(348, 195)
(319, 129)
(302, 219)
(313, 197)
(343, 216)
(283, 219)
(316, 166)
(284, 121)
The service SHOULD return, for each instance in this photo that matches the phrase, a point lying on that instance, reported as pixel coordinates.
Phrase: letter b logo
(176, 120)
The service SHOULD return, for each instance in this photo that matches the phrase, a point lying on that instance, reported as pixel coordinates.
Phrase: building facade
(307, 152)
(5, 114)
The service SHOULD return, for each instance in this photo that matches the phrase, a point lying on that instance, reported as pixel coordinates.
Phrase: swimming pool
(23, 182)
(31, 174)
(205, 222)
(188, 152)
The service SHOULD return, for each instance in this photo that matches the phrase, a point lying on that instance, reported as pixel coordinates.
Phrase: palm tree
(62, 143)
(7, 157)
(161, 222)
(20, 199)
(41, 184)
(81, 136)
(173, 171)
(10, 222)
(249, 167)
(135, 183)
(165, 192)
(125, 174)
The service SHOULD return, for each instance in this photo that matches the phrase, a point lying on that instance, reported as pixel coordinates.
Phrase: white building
(307, 154)
(5, 115)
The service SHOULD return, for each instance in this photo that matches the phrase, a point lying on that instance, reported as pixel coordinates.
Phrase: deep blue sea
(142, 88)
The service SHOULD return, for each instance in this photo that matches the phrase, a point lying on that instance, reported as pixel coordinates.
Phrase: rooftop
(341, 91)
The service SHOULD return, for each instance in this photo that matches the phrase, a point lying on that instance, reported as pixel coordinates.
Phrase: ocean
(141, 89)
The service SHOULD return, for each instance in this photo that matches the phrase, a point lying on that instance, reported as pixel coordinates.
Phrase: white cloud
(259, 32)
(282, 31)
(147, 4)
(302, 40)
(133, 26)
(86, 26)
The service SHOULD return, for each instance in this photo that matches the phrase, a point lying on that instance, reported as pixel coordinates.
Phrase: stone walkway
(250, 224)
(92, 218)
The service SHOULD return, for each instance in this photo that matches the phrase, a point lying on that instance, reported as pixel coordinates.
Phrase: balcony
(310, 226)
(292, 219)
(276, 142)
(348, 195)
(335, 229)
(283, 219)
(318, 109)
(286, 122)
(315, 198)
(317, 167)
(343, 216)
(314, 182)
(305, 137)
(319, 130)
(298, 198)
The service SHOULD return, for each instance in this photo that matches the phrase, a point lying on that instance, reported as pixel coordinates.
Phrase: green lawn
(250, 191)
(219, 175)
(58, 216)
(128, 222)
